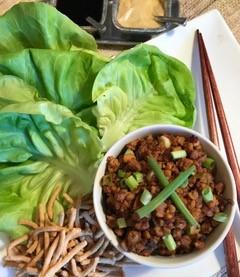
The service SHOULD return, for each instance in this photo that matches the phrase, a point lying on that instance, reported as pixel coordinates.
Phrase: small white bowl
(223, 173)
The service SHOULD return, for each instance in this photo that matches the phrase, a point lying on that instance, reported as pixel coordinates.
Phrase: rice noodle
(52, 200)
(75, 246)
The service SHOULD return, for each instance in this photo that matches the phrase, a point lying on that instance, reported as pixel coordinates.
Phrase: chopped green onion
(207, 194)
(106, 180)
(175, 198)
(178, 154)
(220, 217)
(121, 173)
(131, 182)
(166, 141)
(165, 193)
(138, 176)
(169, 242)
(208, 163)
(121, 223)
(145, 197)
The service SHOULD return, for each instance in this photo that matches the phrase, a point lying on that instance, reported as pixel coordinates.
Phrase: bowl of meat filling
(165, 196)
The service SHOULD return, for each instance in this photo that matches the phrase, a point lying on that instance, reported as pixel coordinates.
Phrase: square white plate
(224, 53)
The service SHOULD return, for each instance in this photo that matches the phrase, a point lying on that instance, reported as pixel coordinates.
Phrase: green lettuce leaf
(48, 132)
(142, 86)
(63, 77)
(42, 145)
(22, 188)
(39, 25)
(15, 90)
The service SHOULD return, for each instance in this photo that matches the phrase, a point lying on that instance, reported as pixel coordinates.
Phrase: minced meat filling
(144, 236)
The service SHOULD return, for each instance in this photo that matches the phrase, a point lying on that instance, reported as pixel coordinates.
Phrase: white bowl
(223, 173)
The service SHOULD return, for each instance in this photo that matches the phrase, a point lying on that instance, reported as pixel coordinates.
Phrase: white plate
(224, 53)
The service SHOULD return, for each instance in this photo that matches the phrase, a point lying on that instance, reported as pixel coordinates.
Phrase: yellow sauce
(139, 13)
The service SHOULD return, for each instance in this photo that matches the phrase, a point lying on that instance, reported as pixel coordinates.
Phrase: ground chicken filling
(145, 236)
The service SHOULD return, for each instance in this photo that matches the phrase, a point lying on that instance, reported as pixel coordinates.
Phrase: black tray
(107, 31)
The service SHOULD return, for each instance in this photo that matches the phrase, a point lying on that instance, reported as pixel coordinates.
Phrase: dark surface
(102, 12)
(79, 10)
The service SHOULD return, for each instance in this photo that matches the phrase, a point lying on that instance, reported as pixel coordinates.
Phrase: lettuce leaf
(63, 77)
(142, 86)
(42, 145)
(39, 25)
(15, 90)
(51, 53)
(23, 187)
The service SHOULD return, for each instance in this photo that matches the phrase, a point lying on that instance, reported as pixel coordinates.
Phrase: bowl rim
(142, 132)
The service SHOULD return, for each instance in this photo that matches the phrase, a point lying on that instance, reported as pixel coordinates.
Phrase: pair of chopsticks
(213, 99)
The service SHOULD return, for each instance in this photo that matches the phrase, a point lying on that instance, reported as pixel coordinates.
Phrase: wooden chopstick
(211, 92)
(226, 135)
(212, 125)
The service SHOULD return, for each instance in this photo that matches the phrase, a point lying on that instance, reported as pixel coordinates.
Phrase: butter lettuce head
(142, 86)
